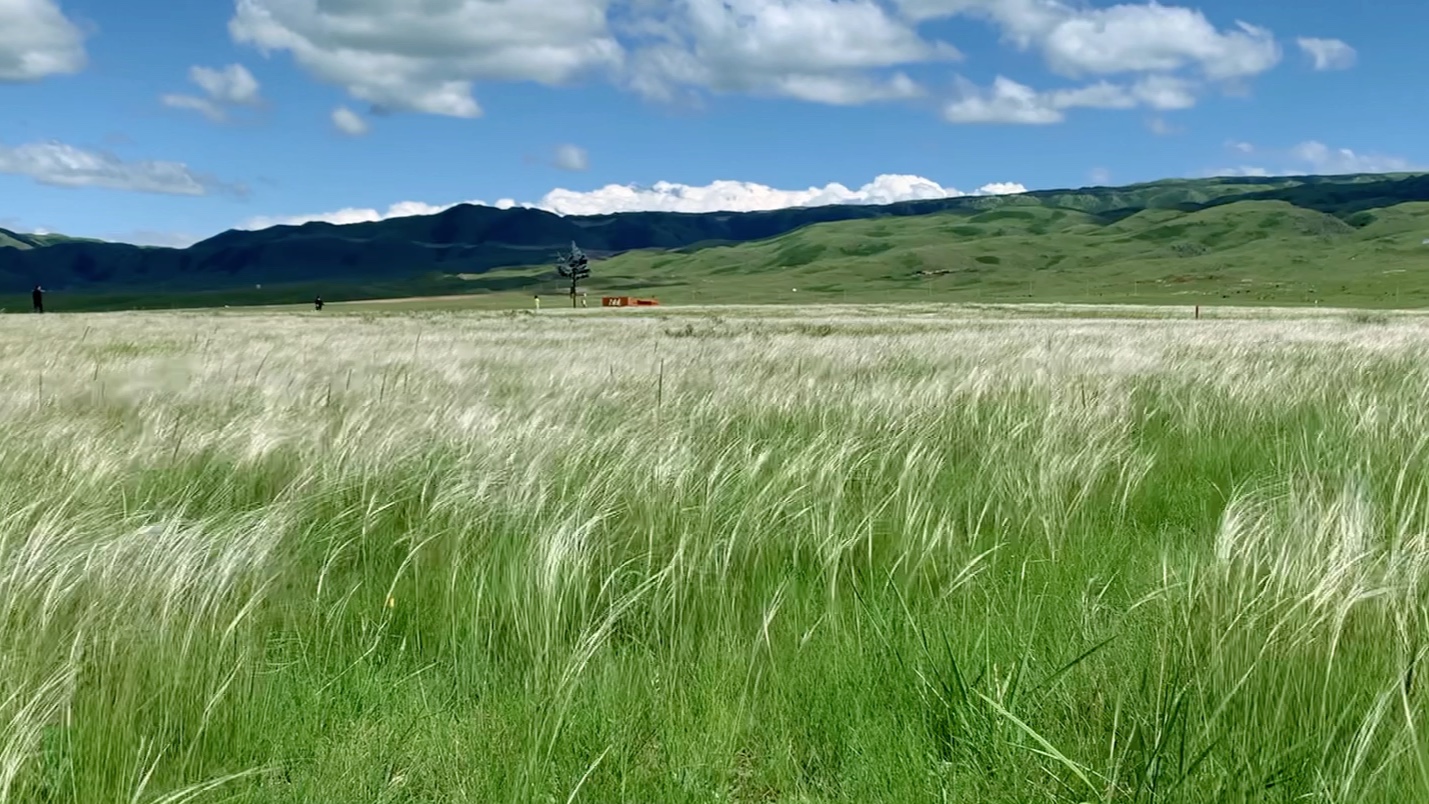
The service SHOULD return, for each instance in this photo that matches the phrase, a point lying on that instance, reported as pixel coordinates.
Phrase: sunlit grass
(852, 554)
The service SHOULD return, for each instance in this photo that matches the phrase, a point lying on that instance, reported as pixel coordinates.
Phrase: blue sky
(160, 122)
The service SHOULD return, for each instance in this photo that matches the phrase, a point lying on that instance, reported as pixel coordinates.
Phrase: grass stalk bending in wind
(821, 554)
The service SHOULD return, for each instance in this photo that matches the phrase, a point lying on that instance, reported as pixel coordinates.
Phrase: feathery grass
(806, 554)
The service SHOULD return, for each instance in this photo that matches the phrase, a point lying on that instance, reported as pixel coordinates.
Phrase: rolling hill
(1247, 251)
(1257, 239)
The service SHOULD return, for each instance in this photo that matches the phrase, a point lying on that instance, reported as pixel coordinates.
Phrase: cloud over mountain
(718, 196)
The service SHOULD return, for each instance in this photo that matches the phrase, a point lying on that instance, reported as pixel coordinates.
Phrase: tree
(574, 266)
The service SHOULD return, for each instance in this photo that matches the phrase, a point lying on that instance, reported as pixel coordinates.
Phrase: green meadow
(781, 554)
(1245, 253)
(1349, 241)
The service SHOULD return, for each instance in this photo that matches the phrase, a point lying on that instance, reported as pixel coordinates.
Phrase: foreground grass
(785, 555)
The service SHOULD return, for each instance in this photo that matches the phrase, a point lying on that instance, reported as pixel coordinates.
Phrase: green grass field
(1364, 252)
(1248, 252)
(797, 554)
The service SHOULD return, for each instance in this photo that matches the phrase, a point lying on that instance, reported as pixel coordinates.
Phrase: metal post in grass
(574, 266)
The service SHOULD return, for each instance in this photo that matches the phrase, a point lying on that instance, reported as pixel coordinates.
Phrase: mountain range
(475, 241)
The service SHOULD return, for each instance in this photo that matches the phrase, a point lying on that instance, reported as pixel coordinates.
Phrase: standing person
(318, 304)
(37, 296)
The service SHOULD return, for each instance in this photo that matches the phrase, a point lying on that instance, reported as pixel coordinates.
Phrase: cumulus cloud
(1005, 102)
(835, 52)
(223, 89)
(1313, 157)
(1328, 54)
(349, 122)
(1077, 40)
(1329, 161)
(738, 196)
(37, 40)
(399, 57)
(571, 157)
(384, 53)
(1008, 101)
(60, 165)
(233, 84)
(718, 196)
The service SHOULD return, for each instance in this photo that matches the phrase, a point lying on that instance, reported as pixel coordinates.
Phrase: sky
(162, 123)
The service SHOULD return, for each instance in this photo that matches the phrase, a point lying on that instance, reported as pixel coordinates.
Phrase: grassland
(1244, 253)
(808, 554)
(1350, 241)
(1247, 252)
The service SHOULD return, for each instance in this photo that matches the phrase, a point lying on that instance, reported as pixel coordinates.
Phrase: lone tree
(574, 266)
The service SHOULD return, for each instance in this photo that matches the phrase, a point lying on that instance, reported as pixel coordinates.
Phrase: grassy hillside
(1354, 239)
(1247, 251)
(23, 242)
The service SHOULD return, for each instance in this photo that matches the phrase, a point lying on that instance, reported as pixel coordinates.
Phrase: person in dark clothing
(318, 303)
(38, 297)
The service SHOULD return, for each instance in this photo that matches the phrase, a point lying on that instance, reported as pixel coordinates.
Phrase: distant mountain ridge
(473, 240)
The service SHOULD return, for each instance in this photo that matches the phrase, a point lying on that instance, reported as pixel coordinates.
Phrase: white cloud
(1245, 170)
(1328, 54)
(1007, 101)
(718, 196)
(825, 51)
(835, 52)
(231, 86)
(399, 57)
(1077, 40)
(572, 158)
(1161, 127)
(737, 196)
(349, 122)
(384, 53)
(1316, 158)
(1164, 92)
(61, 165)
(1330, 161)
(37, 40)
(203, 106)
(1099, 176)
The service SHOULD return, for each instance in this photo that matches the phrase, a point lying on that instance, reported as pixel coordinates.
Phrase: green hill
(1251, 251)
(1287, 239)
(21, 241)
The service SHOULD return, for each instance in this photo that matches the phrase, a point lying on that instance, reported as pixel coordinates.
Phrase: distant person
(37, 296)
(318, 304)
